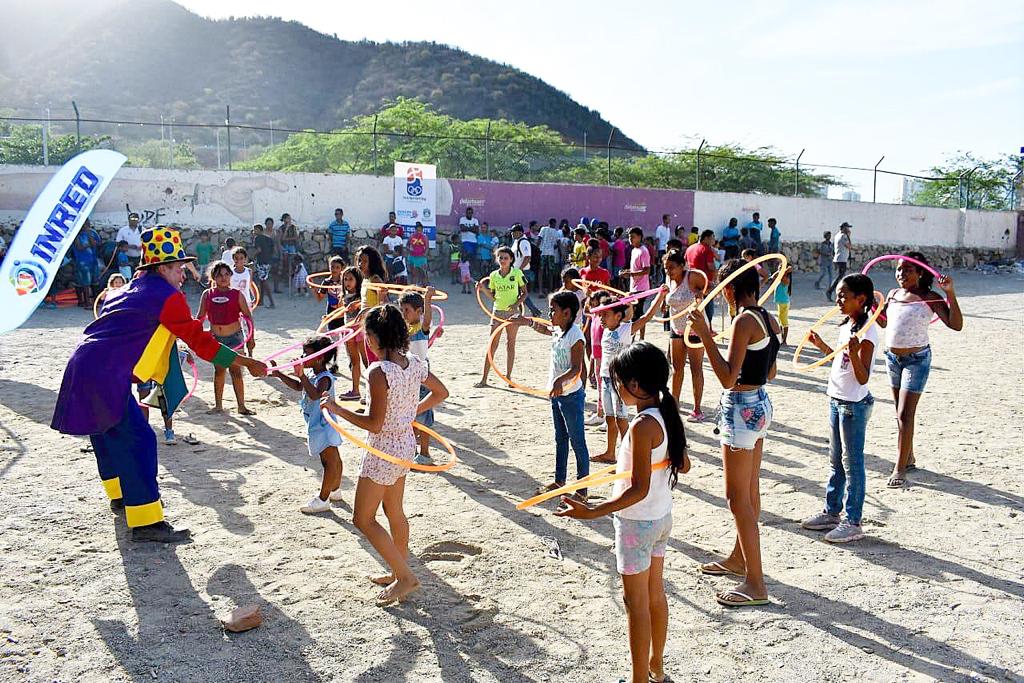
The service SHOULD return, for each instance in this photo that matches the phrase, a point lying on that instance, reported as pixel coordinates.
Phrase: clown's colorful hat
(162, 245)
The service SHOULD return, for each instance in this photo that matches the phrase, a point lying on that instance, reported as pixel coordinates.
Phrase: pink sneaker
(696, 417)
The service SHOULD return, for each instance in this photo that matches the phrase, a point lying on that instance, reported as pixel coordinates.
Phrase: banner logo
(414, 182)
(28, 277)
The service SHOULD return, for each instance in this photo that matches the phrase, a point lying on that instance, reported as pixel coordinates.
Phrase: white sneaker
(335, 496)
(594, 420)
(315, 506)
(844, 533)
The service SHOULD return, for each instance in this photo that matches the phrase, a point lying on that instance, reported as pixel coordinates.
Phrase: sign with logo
(38, 248)
(416, 197)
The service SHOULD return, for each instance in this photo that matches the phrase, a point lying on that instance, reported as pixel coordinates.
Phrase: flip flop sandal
(896, 482)
(720, 571)
(191, 440)
(652, 679)
(722, 599)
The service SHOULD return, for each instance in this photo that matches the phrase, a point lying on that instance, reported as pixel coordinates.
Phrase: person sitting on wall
(134, 340)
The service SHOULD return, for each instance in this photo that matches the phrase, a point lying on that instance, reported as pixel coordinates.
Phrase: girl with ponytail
(642, 504)
(850, 405)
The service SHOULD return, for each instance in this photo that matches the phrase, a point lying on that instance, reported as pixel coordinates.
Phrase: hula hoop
(315, 285)
(586, 284)
(195, 383)
(919, 264)
(391, 458)
(96, 303)
(880, 299)
(515, 385)
(439, 295)
(344, 335)
(245, 321)
(255, 295)
(487, 311)
(440, 325)
(686, 311)
(626, 300)
(603, 476)
(722, 285)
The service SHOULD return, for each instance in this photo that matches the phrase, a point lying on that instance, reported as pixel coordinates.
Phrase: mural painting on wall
(155, 201)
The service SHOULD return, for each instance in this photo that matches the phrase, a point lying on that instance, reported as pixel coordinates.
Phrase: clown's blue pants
(126, 458)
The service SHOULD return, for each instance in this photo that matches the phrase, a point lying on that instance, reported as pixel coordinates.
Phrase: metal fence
(236, 142)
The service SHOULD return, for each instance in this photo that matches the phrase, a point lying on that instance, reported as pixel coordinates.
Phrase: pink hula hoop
(344, 334)
(897, 257)
(626, 300)
(440, 325)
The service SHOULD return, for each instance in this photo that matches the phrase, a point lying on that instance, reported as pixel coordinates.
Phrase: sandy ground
(933, 593)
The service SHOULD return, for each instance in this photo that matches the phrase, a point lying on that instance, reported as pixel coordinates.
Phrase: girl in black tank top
(746, 413)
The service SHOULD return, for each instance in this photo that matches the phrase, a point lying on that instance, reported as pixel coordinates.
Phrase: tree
(965, 180)
(23, 144)
(160, 154)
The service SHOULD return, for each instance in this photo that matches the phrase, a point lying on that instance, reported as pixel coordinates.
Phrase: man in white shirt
(842, 248)
(391, 245)
(469, 226)
(662, 234)
(133, 236)
(522, 251)
(549, 235)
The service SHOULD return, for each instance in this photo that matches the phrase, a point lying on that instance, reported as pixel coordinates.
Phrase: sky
(850, 82)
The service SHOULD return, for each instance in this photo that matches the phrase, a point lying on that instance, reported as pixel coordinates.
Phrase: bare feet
(215, 411)
(385, 580)
(604, 457)
(482, 384)
(399, 590)
(242, 410)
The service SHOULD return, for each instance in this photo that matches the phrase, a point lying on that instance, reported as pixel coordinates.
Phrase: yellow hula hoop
(686, 311)
(438, 294)
(256, 296)
(96, 303)
(333, 315)
(879, 299)
(724, 283)
(603, 476)
(393, 459)
(487, 312)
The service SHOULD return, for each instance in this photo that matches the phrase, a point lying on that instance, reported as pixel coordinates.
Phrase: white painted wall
(237, 199)
(802, 219)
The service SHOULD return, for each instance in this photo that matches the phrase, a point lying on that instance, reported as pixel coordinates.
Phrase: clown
(133, 340)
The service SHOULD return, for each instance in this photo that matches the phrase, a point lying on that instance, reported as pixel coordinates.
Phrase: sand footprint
(449, 551)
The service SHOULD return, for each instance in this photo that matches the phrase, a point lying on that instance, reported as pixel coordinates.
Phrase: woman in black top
(746, 413)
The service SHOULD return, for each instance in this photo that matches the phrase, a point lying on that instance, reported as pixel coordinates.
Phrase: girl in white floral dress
(394, 403)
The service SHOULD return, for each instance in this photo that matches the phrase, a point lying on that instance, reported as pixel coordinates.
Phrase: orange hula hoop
(438, 294)
(332, 316)
(515, 385)
(879, 300)
(391, 458)
(314, 285)
(722, 285)
(96, 302)
(256, 296)
(587, 284)
(603, 476)
(487, 311)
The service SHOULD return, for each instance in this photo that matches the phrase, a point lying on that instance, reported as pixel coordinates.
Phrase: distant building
(851, 196)
(911, 188)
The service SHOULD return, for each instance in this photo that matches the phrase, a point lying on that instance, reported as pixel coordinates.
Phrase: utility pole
(699, 150)
(78, 128)
(227, 123)
(874, 182)
(217, 133)
(796, 180)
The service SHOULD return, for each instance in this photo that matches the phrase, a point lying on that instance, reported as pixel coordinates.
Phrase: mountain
(143, 59)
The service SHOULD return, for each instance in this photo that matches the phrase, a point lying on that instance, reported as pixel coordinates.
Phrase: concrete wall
(231, 201)
(803, 219)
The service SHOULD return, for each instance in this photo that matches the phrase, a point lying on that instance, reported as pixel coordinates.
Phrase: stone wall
(802, 255)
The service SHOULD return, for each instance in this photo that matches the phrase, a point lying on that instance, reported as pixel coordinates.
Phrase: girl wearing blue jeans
(908, 355)
(850, 405)
(565, 386)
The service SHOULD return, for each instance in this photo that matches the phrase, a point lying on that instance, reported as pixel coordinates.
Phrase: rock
(244, 618)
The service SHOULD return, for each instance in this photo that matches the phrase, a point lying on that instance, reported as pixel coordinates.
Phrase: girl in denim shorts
(653, 452)
(746, 413)
(908, 355)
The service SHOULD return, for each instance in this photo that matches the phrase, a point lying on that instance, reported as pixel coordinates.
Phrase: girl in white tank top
(654, 452)
(908, 355)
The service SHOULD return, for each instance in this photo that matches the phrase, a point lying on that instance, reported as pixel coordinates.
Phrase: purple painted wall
(501, 204)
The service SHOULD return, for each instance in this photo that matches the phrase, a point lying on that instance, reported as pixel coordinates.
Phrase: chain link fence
(52, 134)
